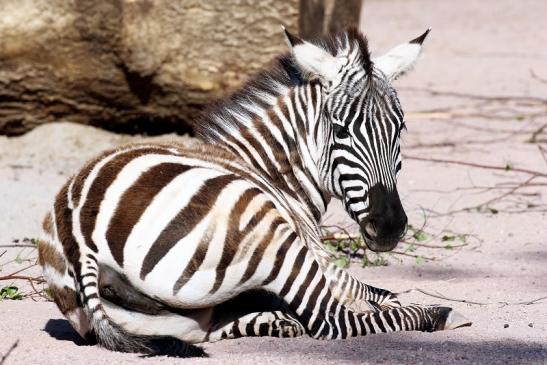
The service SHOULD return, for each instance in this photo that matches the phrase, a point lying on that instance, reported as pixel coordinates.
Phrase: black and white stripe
(149, 245)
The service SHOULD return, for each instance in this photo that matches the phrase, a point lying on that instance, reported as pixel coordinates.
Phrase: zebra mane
(234, 113)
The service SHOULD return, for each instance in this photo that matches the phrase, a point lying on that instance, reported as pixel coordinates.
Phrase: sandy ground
(476, 47)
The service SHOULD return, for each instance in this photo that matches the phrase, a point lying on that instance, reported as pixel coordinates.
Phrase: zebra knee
(69, 304)
(390, 301)
(61, 286)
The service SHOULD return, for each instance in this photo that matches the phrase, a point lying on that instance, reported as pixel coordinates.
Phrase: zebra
(152, 248)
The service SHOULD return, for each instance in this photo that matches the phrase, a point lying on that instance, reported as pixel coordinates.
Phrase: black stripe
(196, 260)
(389, 320)
(134, 202)
(106, 176)
(279, 258)
(249, 328)
(185, 221)
(235, 236)
(258, 253)
(235, 329)
(368, 322)
(299, 297)
(397, 318)
(297, 266)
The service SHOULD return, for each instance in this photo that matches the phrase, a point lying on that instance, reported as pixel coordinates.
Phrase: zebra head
(358, 135)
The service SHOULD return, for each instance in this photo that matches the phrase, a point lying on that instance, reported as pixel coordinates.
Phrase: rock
(130, 65)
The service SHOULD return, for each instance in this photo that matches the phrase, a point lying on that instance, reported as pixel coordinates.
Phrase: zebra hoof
(452, 320)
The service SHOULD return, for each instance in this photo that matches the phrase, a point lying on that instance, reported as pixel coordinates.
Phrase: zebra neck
(277, 140)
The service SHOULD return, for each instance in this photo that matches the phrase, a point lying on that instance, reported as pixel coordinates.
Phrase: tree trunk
(130, 65)
(318, 17)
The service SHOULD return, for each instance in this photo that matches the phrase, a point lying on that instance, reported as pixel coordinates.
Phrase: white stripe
(163, 208)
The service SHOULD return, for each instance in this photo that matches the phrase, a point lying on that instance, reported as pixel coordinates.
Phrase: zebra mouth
(374, 242)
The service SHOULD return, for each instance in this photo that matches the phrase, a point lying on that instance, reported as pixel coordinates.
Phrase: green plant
(48, 293)
(420, 236)
(339, 248)
(378, 261)
(10, 292)
(420, 260)
(342, 262)
(417, 233)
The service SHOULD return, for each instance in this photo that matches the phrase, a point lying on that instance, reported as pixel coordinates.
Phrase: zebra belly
(200, 239)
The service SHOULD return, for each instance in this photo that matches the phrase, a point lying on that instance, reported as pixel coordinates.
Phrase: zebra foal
(150, 248)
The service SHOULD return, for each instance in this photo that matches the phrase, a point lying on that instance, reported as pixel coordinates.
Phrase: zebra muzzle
(372, 238)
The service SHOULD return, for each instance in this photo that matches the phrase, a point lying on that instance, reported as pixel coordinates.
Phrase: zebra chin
(379, 244)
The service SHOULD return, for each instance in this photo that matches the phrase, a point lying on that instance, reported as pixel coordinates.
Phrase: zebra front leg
(356, 295)
(304, 286)
(274, 324)
(352, 292)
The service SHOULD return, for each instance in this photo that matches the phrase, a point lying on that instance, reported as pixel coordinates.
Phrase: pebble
(506, 325)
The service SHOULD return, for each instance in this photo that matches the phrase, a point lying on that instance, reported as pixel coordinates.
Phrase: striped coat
(150, 248)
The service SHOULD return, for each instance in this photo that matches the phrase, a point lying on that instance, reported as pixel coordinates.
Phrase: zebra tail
(112, 336)
(85, 311)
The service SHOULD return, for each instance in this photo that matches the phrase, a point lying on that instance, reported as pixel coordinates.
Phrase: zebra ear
(312, 60)
(401, 58)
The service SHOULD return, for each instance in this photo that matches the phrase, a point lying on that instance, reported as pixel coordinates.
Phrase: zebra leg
(115, 288)
(308, 294)
(62, 287)
(274, 324)
(111, 335)
(350, 291)
(357, 295)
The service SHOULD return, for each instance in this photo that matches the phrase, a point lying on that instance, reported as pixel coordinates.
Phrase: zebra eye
(340, 131)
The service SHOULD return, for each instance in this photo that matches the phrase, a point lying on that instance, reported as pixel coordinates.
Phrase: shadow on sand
(61, 330)
(412, 349)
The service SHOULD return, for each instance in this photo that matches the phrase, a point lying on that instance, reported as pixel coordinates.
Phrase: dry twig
(476, 165)
(5, 356)
(37, 279)
(537, 77)
(444, 297)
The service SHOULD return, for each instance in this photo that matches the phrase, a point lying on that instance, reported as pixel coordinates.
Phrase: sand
(486, 49)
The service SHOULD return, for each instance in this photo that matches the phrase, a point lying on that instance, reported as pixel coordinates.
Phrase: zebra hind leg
(113, 336)
(114, 287)
(273, 324)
